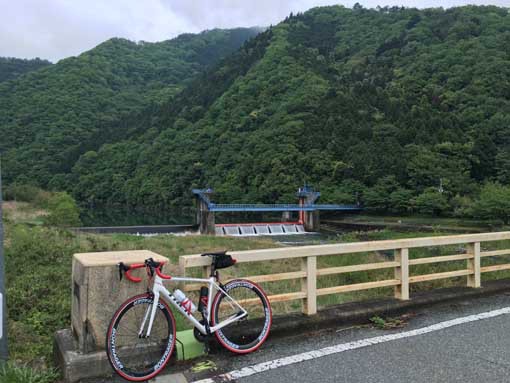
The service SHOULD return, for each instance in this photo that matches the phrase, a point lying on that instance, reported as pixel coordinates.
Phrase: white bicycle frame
(159, 290)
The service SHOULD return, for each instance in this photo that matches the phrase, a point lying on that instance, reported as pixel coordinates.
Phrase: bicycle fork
(151, 310)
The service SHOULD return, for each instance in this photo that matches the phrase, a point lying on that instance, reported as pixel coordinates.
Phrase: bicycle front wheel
(248, 334)
(135, 356)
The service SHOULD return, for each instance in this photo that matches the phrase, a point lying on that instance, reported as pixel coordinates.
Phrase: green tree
(400, 200)
(63, 211)
(11, 68)
(50, 116)
(431, 202)
(503, 166)
(493, 202)
(26, 193)
(378, 197)
(447, 165)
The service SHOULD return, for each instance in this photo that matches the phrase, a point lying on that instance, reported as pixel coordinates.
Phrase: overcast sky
(54, 29)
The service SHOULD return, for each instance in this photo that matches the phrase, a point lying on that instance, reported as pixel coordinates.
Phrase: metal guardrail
(401, 264)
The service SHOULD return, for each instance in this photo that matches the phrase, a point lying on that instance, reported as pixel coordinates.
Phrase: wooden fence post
(309, 285)
(473, 264)
(402, 274)
(206, 271)
(182, 270)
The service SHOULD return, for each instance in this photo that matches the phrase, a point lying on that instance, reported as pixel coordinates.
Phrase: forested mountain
(378, 105)
(50, 117)
(383, 106)
(11, 67)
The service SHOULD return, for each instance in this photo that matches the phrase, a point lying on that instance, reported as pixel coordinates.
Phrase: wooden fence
(400, 263)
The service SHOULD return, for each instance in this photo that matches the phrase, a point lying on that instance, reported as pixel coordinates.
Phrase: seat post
(213, 267)
(214, 272)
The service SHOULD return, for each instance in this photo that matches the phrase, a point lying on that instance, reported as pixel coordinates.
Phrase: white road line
(281, 362)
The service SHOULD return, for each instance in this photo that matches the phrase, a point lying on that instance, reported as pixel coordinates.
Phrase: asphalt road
(476, 351)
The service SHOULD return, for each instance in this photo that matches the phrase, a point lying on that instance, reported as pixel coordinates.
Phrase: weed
(390, 323)
(10, 373)
(207, 365)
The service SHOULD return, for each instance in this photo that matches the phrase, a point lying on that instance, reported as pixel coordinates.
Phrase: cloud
(61, 28)
(55, 29)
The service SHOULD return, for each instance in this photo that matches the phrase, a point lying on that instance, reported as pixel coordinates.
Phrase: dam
(307, 208)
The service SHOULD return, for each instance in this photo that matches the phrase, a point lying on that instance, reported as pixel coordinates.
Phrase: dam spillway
(245, 230)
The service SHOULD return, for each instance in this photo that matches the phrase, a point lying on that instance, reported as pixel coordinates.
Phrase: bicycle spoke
(139, 356)
(242, 298)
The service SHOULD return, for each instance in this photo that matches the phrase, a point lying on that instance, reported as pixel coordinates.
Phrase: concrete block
(98, 292)
(187, 347)
(76, 366)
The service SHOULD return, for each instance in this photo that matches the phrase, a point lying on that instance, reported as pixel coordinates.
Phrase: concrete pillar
(286, 216)
(98, 292)
(206, 223)
(311, 220)
(204, 218)
(197, 212)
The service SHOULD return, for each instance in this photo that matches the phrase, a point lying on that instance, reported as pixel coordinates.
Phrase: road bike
(141, 336)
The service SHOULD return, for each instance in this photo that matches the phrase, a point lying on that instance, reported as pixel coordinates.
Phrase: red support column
(301, 212)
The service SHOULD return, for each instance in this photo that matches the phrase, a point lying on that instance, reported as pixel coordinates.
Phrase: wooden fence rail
(401, 265)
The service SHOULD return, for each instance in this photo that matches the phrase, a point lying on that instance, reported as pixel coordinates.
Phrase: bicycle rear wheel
(138, 358)
(248, 334)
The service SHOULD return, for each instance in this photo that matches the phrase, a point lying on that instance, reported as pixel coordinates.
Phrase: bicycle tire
(234, 337)
(121, 364)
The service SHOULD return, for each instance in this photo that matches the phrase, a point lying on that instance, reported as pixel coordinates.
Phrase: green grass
(10, 373)
(23, 212)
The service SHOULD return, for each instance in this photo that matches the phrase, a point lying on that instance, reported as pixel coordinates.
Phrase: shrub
(38, 302)
(63, 211)
(400, 200)
(348, 192)
(431, 202)
(378, 197)
(462, 206)
(494, 202)
(26, 193)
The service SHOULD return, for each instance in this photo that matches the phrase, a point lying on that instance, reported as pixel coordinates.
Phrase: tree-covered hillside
(385, 106)
(11, 67)
(50, 117)
(397, 108)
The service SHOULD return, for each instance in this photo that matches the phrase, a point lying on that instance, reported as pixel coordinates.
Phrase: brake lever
(122, 268)
(152, 265)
